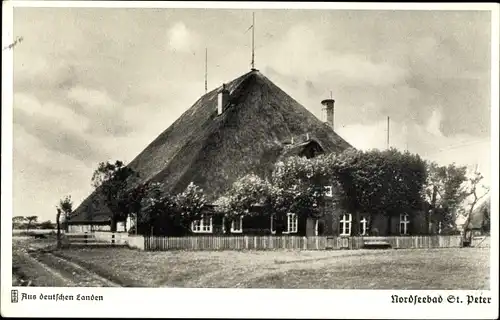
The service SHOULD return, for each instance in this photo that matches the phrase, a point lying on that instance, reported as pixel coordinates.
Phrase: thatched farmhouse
(244, 126)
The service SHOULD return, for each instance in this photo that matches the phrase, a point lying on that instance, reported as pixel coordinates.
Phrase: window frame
(329, 191)
(404, 222)
(343, 223)
(288, 231)
(363, 227)
(199, 226)
(232, 229)
(289, 217)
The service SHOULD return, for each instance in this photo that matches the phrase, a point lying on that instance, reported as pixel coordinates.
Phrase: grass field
(23, 232)
(464, 268)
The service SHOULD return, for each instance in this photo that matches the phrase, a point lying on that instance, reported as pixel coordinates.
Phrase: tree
(111, 180)
(298, 186)
(156, 206)
(46, 225)
(451, 193)
(473, 196)
(132, 204)
(245, 193)
(164, 213)
(30, 220)
(190, 205)
(281, 201)
(384, 182)
(64, 208)
(18, 221)
(444, 193)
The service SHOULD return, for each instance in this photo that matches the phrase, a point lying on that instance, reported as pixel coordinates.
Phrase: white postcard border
(250, 303)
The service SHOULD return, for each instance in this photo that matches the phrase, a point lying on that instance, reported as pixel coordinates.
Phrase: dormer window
(329, 191)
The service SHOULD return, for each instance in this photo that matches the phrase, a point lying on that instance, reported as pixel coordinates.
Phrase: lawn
(458, 268)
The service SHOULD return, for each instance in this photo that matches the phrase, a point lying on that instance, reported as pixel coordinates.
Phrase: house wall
(258, 225)
(330, 220)
(379, 223)
(78, 228)
(310, 227)
(419, 223)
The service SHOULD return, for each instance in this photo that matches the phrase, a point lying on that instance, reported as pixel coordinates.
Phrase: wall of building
(252, 225)
(379, 223)
(81, 228)
(133, 241)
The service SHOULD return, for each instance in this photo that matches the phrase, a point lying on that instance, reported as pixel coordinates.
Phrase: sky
(99, 84)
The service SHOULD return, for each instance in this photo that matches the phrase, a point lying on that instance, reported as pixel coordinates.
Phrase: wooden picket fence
(293, 242)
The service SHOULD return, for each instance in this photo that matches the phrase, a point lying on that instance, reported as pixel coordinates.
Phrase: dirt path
(36, 273)
(33, 264)
(81, 276)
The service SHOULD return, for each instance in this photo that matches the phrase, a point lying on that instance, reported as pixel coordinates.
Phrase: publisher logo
(14, 296)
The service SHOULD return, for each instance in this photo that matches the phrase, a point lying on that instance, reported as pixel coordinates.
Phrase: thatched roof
(91, 209)
(214, 150)
(477, 216)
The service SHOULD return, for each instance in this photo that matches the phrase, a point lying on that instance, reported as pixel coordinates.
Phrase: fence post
(304, 245)
(85, 238)
(113, 238)
(246, 242)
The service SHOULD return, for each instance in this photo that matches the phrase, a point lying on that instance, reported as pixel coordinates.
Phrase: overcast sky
(92, 84)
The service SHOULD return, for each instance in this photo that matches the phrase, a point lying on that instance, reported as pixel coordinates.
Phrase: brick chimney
(328, 111)
(222, 99)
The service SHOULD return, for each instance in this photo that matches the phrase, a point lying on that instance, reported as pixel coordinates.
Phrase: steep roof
(213, 150)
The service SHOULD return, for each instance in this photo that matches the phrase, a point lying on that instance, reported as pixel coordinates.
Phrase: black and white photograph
(249, 147)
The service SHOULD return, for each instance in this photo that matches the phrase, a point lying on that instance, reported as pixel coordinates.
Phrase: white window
(204, 225)
(363, 227)
(236, 225)
(403, 223)
(292, 223)
(345, 224)
(329, 191)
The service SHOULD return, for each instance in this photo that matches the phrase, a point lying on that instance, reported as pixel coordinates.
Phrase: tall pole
(253, 40)
(206, 69)
(387, 132)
